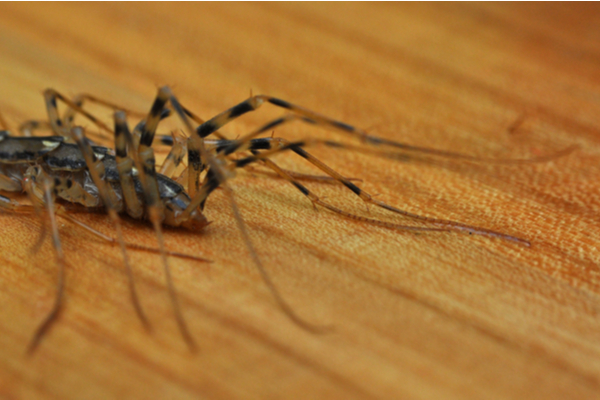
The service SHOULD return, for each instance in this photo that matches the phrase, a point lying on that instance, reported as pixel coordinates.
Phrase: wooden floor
(415, 316)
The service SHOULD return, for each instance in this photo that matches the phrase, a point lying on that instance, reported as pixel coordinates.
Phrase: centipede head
(175, 215)
(196, 222)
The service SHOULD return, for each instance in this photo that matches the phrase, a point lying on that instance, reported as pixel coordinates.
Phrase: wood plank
(431, 315)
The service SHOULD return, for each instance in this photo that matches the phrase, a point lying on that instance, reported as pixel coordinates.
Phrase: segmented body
(64, 164)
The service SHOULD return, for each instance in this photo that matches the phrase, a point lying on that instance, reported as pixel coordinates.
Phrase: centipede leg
(96, 169)
(317, 201)
(132, 246)
(316, 119)
(80, 99)
(216, 176)
(279, 145)
(147, 170)
(174, 158)
(48, 201)
(57, 124)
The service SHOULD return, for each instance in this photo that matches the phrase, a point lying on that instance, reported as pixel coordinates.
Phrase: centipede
(68, 168)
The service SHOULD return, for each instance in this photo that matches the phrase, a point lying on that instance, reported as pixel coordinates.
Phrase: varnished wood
(438, 315)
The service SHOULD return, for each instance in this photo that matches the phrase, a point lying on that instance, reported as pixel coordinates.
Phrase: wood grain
(417, 316)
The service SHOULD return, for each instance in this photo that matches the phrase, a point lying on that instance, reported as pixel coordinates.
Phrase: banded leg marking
(217, 176)
(96, 169)
(284, 145)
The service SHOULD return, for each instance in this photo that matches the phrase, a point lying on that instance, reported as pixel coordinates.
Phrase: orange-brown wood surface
(419, 316)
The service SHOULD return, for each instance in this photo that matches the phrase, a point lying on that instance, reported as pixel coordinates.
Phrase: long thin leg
(133, 246)
(221, 145)
(57, 124)
(316, 200)
(217, 176)
(279, 145)
(179, 149)
(394, 154)
(96, 170)
(125, 166)
(175, 156)
(145, 157)
(79, 100)
(60, 258)
(246, 142)
(314, 118)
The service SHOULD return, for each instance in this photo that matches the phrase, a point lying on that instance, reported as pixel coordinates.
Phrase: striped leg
(147, 171)
(46, 197)
(57, 124)
(316, 200)
(307, 116)
(96, 169)
(217, 176)
(125, 166)
(278, 145)
(175, 156)
(80, 99)
(282, 145)
(62, 126)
